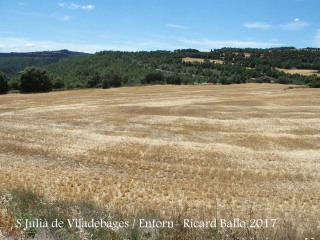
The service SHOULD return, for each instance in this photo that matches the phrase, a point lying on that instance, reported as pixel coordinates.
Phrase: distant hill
(73, 70)
(13, 63)
(189, 66)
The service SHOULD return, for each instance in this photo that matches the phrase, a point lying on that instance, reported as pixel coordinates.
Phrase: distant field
(228, 151)
(201, 60)
(306, 72)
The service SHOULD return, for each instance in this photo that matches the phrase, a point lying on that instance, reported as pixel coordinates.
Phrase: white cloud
(206, 44)
(295, 25)
(29, 45)
(60, 17)
(65, 18)
(258, 25)
(83, 7)
(25, 45)
(75, 6)
(176, 26)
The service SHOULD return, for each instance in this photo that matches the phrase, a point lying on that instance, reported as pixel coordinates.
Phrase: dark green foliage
(154, 78)
(4, 86)
(237, 79)
(174, 79)
(284, 80)
(34, 80)
(13, 63)
(14, 84)
(94, 81)
(57, 83)
(225, 81)
(113, 80)
(264, 79)
(212, 80)
(315, 83)
(160, 67)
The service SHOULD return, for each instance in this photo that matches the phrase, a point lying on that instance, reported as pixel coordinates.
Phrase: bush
(57, 83)
(112, 81)
(14, 84)
(284, 80)
(154, 78)
(212, 80)
(94, 81)
(4, 86)
(264, 79)
(173, 79)
(315, 83)
(34, 80)
(225, 81)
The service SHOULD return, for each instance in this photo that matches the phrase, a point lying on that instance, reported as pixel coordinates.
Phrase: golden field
(305, 72)
(206, 151)
(201, 60)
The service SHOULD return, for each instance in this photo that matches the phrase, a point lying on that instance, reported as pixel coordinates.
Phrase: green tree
(94, 81)
(34, 79)
(315, 83)
(4, 86)
(14, 84)
(264, 79)
(154, 78)
(57, 83)
(111, 81)
(284, 80)
(174, 79)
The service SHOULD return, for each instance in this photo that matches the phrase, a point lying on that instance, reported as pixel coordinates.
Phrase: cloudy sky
(133, 25)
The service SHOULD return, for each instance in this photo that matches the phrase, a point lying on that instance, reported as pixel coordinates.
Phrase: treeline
(284, 57)
(132, 68)
(12, 63)
(114, 69)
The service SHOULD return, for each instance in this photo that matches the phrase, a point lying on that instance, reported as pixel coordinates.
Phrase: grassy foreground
(167, 153)
(25, 215)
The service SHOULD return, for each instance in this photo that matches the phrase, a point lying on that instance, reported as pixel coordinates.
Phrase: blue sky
(133, 25)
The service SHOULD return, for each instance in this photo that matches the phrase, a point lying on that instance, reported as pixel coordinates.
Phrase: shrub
(57, 83)
(264, 79)
(284, 80)
(14, 84)
(112, 81)
(4, 86)
(153, 78)
(315, 83)
(225, 81)
(212, 80)
(173, 79)
(94, 81)
(34, 80)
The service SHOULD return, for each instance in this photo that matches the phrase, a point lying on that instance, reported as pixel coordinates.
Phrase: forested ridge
(70, 70)
(12, 63)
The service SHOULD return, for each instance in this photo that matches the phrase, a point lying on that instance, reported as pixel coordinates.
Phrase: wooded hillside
(105, 69)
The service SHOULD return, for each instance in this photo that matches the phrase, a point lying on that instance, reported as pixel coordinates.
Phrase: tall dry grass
(199, 150)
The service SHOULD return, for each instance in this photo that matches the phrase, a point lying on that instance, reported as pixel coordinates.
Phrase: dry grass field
(237, 151)
(305, 72)
(201, 60)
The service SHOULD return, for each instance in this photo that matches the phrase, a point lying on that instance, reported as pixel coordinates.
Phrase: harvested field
(248, 150)
(201, 60)
(306, 72)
